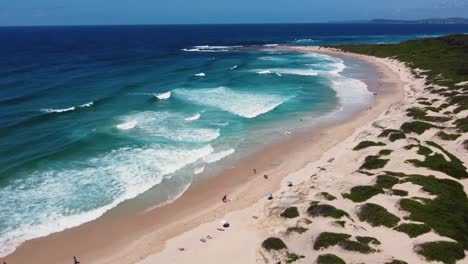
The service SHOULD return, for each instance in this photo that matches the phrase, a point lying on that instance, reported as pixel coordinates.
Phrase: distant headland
(451, 20)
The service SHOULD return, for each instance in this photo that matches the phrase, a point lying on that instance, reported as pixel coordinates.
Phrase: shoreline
(97, 241)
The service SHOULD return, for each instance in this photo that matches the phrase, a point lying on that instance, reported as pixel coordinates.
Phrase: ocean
(94, 116)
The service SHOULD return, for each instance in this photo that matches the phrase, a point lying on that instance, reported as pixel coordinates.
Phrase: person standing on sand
(75, 261)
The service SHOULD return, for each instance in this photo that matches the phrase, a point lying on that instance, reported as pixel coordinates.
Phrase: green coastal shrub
(413, 230)
(396, 261)
(398, 192)
(273, 243)
(437, 162)
(396, 136)
(366, 144)
(350, 245)
(328, 239)
(385, 152)
(290, 212)
(417, 127)
(327, 196)
(386, 182)
(444, 251)
(377, 215)
(363, 193)
(325, 210)
(292, 257)
(296, 229)
(374, 162)
(329, 259)
(366, 240)
(444, 136)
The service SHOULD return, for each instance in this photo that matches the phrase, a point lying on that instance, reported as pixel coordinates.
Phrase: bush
(296, 229)
(362, 193)
(325, 210)
(437, 162)
(350, 245)
(444, 251)
(290, 212)
(398, 192)
(413, 230)
(417, 127)
(293, 257)
(386, 182)
(396, 136)
(377, 215)
(273, 243)
(385, 152)
(396, 261)
(328, 239)
(444, 136)
(327, 196)
(366, 144)
(329, 259)
(374, 162)
(366, 240)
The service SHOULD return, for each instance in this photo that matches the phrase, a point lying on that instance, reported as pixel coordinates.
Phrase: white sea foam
(50, 110)
(264, 72)
(305, 40)
(233, 67)
(198, 170)
(56, 198)
(194, 117)
(304, 72)
(242, 103)
(127, 125)
(87, 104)
(201, 74)
(213, 157)
(163, 96)
(270, 45)
(207, 48)
(169, 125)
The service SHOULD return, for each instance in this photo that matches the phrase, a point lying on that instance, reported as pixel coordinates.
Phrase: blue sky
(98, 12)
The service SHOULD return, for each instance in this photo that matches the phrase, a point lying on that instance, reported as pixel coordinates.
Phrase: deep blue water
(82, 128)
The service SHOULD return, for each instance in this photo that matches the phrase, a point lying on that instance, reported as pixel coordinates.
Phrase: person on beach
(270, 196)
(290, 184)
(254, 171)
(75, 261)
(265, 176)
(225, 199)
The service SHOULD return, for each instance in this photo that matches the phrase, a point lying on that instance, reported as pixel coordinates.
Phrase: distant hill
(450, 20)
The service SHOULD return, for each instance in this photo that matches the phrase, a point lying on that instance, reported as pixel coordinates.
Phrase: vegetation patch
(444, 251)
(437, 162)
(444, 136)
(325, 210)
(329, 259)
(396, 261)
(377, 215)
(420, 114)
(385, 152)
(366, 240)
(327, 196)
(398, 192)
(447, 213)
(393, 134)
(366, 144)
(328, 239)
(340, 223)
(386, 182)
(292, 257)
(462, 124)
(374, 162)
(296, 229)
(273, 243)
(362, 193)
(417, 127)
(350, 245)
(290, 212)
(413, 230)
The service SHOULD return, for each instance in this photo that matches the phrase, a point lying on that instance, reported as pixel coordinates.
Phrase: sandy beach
(322, 160)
